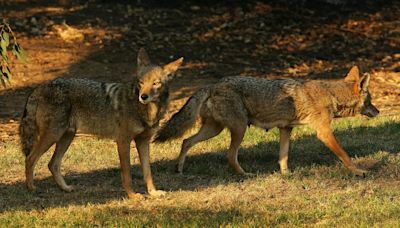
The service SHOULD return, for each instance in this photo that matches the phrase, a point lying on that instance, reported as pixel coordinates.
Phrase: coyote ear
(353, 75)
(142, 58)
(172, 66)
(364, 82)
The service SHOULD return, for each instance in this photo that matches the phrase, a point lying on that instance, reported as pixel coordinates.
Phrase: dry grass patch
(319, 192)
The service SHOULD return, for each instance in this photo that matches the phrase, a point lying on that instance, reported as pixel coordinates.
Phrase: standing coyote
(237, 102)
(119, 111)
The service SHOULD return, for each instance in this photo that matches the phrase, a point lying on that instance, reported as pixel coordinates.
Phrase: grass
(320, 191)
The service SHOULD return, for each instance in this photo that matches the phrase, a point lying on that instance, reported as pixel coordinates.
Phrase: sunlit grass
(319, 192)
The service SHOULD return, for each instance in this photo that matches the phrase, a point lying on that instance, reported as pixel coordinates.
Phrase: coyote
(237, 102)
(119, 111)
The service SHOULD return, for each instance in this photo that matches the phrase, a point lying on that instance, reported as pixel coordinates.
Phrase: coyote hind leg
(46, 140)
(237, 135)
(55, 162)
(208, 130)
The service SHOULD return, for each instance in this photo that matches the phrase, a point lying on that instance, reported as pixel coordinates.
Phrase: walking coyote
(237, 102)
(119, 111)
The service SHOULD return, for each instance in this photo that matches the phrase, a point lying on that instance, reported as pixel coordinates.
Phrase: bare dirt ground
(271, 39)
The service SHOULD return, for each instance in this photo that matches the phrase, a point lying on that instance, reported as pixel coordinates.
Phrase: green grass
(320, 191)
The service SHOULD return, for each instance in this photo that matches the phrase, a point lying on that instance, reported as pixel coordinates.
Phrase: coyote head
(360, 87)
(151, 79)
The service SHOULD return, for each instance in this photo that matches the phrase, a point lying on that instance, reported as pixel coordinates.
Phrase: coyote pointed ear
(172, 66)
(364, 82)
(142, 58)
(353, 75)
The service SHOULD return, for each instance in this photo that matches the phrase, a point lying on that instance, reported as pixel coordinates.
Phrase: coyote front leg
(142, 145)
(325, 134)
(124, 158)
(284, 149)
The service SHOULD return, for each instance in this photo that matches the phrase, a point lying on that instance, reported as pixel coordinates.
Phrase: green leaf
(14, 50)
(6, 38)
(19, 52)
(6, 72)
(4, 80)
(3, 48)
(4, 55)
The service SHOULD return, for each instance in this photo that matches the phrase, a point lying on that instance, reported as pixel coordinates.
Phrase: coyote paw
(179, 169)
(358, 172)
(244, 173)
(157, 193)
(68, 188)
(239, 170)
(134, 195)
(31, 187)
(286, 172)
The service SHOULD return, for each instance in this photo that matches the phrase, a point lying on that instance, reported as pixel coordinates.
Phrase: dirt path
(310, 40)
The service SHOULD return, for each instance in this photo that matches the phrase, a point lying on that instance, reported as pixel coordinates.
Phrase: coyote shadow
(202, 170)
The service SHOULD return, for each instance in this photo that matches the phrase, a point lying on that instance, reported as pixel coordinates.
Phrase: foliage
(5, 45)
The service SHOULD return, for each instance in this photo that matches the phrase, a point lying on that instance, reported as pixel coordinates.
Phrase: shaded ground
(206, 168)
(268, 39)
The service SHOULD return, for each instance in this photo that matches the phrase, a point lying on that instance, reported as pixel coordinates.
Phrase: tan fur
(238, 102)
(122, 112)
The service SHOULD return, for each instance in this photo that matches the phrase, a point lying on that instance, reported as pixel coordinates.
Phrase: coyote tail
(185, 118)
(28, 129)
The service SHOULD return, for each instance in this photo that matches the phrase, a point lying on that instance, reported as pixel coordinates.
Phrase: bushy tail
(185, 118)
(28, 130)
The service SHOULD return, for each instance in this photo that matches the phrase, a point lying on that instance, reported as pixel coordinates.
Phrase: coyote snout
(367, 108)
(149, 86)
